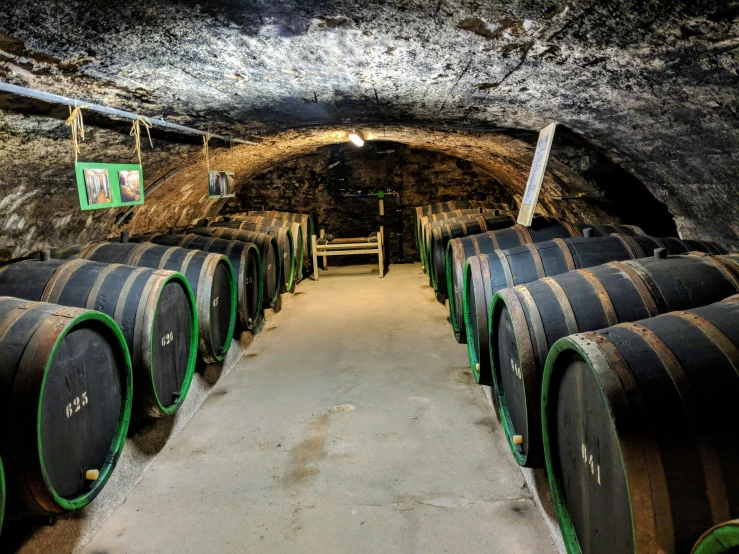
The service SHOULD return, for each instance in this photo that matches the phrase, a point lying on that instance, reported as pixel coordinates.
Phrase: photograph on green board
(109, 185)
(97, 184)
(130, 185)
(221, 184)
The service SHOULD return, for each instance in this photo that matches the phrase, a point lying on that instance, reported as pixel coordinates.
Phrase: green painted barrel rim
(468, 324)
(121, 430)
(563, 514)
(275, 246)
(311, 231)
(291, 255)
(193, 354)
(299, 241)
(260, 286)
(503, 412)
(432, 262)
(234, 312)
(456, 327)
(718, 539)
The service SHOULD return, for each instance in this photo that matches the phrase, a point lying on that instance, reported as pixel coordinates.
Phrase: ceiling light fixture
(356, 139)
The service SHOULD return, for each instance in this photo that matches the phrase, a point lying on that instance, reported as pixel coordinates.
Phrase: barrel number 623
(588, 459)
(168, 338)
(77, 404)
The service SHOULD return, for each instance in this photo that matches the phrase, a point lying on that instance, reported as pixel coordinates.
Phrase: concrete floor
(352, 425)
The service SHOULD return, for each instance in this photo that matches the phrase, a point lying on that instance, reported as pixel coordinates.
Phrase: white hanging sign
(536, 177)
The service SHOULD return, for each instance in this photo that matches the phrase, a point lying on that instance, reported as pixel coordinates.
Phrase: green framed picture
(221, 184)
(109, 185)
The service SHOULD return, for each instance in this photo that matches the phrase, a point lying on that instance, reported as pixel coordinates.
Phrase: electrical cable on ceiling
(55, 98)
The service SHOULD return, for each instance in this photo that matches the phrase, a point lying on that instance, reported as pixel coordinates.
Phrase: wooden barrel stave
(268, 248)
(211, 277)
(533, 261)
(245, 259)
(287, 248)
(681, 369)
(456, 228)
(542, 229)
(306, 224)
(570, 303)
(147, 305)
(74, 364)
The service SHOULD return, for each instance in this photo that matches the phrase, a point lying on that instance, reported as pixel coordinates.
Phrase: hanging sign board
(221, 184)
(536, 177)
(109, 185)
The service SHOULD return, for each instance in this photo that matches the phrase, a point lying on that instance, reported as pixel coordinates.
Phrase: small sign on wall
(109, 185)
(221, 184)
(536, 176)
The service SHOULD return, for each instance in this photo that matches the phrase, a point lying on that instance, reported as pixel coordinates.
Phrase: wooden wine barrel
(426, 221)
(66, 387)
(285, 243)
(155, 310)
(307, 223)
(451, 229)
(211, 277)
(300, 247)
(523, 264)
(269, 250)
(431, 209)
(426, 248)
(527, 319)
(719, 539)
(640, 423)
(262, 224)
(245, 259)
(477, 302)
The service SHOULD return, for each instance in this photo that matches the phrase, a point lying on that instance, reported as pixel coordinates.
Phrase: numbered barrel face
(81, 405)
(252, 277)
(220, 306)
(269, 262)
(587, 462)
(508, 372)
(170, 349)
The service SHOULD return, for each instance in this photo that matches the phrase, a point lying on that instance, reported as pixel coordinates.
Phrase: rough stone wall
(41, 210)
(651, 84)
(339, 184)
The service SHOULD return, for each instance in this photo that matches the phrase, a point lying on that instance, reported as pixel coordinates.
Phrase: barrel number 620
(588, 459)
(77, 404)
(168, 338)
(516, 369)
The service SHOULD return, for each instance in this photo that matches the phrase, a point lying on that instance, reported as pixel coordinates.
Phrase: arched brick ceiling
(654, 85)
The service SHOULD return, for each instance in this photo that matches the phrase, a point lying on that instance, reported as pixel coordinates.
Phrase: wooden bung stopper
(517, 439)
(92, 474)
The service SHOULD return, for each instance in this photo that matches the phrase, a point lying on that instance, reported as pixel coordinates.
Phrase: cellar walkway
(352, 425)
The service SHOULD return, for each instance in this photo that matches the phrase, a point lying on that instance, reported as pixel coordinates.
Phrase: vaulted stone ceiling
(653, 85)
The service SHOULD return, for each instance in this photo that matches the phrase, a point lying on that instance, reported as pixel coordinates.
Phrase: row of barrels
(614, 363)
(93, 335)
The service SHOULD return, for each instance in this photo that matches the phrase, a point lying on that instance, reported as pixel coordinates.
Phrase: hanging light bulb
(356, 139)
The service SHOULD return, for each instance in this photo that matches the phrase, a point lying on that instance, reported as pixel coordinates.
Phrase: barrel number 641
(588, 459)
(77, 404)
(168, 338)
(516, 369)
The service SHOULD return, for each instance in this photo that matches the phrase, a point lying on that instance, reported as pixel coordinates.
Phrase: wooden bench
(348, 247)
